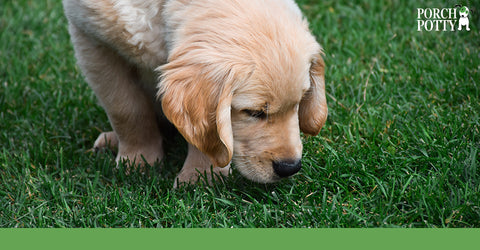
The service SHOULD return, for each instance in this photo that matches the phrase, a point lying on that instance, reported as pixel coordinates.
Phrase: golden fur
(238, 78)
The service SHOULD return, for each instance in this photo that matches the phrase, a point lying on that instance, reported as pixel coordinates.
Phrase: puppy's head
(464, 11)
(280, 99)
(243, 97)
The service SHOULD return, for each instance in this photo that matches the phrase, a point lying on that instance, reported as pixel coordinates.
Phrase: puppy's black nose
(286, 168)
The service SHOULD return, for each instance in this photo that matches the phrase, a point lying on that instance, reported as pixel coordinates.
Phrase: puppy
(239, 79)
(463, 21)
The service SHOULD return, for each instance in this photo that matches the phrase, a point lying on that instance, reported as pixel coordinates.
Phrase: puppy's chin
(255, 169)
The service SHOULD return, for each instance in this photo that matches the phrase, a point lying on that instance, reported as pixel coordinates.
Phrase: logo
(463, 21)
(444, 19)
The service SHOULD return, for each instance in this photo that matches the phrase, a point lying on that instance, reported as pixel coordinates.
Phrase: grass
(401, 147)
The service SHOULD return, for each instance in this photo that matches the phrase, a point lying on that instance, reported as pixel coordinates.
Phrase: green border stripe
(239, 238)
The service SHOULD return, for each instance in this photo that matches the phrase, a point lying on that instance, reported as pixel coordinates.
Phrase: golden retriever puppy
(239, 79)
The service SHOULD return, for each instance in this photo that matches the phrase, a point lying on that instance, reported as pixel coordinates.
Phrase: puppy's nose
(287, 167)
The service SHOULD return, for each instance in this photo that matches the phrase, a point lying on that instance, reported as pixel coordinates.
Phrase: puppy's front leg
(106, 140)
(196, 164)
(129, 107)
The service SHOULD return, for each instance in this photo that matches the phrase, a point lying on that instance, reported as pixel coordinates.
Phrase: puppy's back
(134, 28)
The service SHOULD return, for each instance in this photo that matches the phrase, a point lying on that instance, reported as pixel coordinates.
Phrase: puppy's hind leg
(129, 107)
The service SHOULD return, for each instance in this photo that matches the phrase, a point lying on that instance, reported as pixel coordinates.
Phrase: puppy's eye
(259, 114)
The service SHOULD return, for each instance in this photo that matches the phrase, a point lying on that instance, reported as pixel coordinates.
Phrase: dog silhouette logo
(463, 21)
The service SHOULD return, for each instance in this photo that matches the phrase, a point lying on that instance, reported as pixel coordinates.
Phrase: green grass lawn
(401, 147)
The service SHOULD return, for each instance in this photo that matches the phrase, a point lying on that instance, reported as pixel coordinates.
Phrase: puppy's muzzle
(287, 168)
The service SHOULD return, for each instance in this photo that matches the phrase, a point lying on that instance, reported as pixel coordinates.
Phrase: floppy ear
(199, 108)
(313, 109)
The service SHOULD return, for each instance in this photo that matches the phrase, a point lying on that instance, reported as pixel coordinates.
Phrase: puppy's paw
(139, 159)
(193, 175)
(106, 140)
